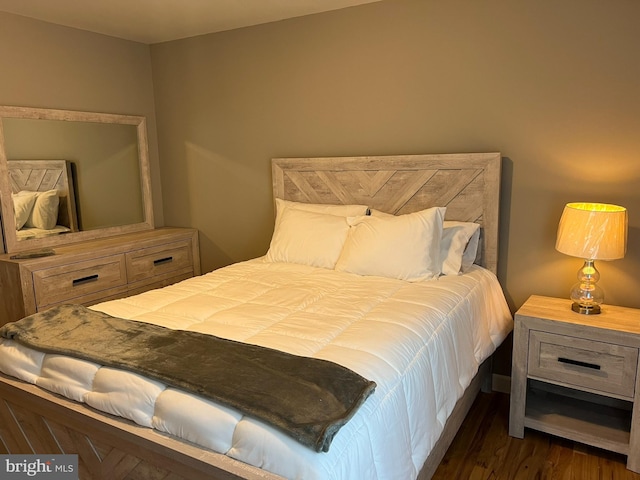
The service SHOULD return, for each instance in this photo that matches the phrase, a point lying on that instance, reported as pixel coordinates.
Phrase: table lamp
(591, 231)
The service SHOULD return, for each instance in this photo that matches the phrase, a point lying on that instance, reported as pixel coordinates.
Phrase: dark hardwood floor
(484, 450)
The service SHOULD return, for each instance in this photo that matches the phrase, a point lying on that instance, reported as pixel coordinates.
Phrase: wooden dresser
(93, 271)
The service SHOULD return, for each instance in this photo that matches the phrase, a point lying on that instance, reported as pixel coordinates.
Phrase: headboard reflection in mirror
(101, 176)
(43, 198)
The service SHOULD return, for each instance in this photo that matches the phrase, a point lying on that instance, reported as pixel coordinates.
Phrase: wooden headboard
(44, 175)
(468, 184)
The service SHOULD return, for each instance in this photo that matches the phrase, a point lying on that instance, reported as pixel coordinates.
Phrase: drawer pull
(569, 361)
(162, 261)
(83, 280)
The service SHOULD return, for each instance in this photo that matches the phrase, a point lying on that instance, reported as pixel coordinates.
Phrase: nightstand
(576, 376)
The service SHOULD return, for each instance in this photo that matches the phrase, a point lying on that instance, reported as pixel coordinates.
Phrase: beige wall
(552, 85)
(49, 66)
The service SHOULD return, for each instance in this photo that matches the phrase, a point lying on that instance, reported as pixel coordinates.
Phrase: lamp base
(586, 309)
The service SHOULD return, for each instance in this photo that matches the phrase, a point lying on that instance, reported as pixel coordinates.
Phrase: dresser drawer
(578, 362)
(66, 283)
(158, 260)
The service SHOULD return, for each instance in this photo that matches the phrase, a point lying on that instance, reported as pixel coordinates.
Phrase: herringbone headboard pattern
(467, 184)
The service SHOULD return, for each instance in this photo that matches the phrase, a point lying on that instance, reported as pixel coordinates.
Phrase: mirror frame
(11, 244)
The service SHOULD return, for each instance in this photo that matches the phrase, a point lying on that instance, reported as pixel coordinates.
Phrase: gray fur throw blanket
(309, 399)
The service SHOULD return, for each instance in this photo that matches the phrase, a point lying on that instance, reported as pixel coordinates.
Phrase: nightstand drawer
(67, 283)
(583, 363)
(158, 260)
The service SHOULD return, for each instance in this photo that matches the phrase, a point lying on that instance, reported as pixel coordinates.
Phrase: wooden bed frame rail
(111, 448)
(36, 421)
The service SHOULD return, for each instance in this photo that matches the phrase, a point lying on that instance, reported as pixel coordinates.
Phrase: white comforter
(420, 342)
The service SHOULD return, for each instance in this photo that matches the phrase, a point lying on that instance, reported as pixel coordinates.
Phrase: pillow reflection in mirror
(44, 214)
(23, 205)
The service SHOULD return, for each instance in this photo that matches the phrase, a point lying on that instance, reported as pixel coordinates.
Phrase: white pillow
(470, 254)
(44, 214)
(22, 205)
(331, 209)
(307, 238)
(405, 247)
(379, 213)
(455, 242)
(470, 248)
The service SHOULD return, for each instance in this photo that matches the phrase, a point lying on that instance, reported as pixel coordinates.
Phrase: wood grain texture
(467, 184)
(33, 421)
(593, 400)
(97, 270)
(614, 366)
(483, 450)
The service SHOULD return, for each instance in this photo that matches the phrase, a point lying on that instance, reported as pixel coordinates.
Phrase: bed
(418, 419)
(43, 196)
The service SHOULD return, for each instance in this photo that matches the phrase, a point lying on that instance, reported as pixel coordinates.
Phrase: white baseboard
(501, 383)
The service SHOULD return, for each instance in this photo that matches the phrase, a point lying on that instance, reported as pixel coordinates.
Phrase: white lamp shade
(596, 231)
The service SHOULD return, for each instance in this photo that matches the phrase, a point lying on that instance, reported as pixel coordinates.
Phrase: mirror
(87, 173)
